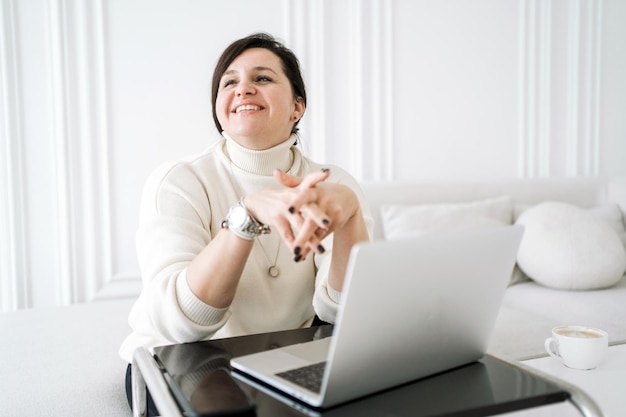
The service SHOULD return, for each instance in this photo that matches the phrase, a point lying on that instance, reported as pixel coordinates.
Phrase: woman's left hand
(317, 202)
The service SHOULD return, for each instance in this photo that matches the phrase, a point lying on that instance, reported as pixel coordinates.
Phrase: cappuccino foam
(583, 334)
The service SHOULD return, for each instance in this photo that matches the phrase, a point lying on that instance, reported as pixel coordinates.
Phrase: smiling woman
(247, 68)
(256, 103)
(250, 236)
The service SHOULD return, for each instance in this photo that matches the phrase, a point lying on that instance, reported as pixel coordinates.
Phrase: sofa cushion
(612, 214)
(530, 310)
(567, 247)
(400, 221)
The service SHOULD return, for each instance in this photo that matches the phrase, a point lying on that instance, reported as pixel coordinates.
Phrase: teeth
(247, 107)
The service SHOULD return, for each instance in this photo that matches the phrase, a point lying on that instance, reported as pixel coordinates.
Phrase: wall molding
(581, 138)
(371, 69)
(383, 93)
(369, 61)
(79, 138)
(583, 87)
(534, 87)
(120, 286)
(14, 271)
(307, 35)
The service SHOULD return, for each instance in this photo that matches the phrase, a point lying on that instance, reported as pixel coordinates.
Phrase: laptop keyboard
(309, 377)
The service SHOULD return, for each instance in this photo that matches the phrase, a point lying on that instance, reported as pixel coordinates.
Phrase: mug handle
(552, 347)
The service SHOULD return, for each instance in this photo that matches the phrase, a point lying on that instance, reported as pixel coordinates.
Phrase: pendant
(273, 271)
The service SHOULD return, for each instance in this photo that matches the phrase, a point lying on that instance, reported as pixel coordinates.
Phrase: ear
(298, 110)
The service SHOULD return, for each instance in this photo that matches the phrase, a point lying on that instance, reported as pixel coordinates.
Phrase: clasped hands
(305, 210)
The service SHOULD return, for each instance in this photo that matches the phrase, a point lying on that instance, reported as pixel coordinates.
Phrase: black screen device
(209, 391)
(487, 387)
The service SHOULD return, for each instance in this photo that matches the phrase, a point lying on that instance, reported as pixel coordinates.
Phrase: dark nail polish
(325, 169)
(292, 209)
(321, 249)
(297, 250)
(325, 222)
(297, 258)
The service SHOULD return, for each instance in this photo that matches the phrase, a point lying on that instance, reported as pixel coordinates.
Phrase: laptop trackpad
(282, 359)
(311, 352)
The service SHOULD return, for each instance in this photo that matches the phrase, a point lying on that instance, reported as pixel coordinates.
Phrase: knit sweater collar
(262, 162)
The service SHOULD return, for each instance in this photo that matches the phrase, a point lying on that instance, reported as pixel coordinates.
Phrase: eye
(263, 79)
(228, 83)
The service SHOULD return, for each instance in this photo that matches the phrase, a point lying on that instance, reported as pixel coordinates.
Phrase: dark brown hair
(290, 65)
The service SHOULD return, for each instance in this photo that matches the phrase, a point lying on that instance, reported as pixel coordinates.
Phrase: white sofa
(64, 362)
(529, 310)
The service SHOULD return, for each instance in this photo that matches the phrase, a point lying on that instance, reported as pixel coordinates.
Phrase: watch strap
(251, 227)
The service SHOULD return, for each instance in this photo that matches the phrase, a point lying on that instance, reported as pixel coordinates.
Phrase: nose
(245, 88)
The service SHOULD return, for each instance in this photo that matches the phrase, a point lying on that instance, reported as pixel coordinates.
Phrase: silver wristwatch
(241, 223)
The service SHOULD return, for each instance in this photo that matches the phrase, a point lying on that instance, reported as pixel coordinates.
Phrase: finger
(286, 232)
(316, 242)
(306, 191)
(309, 181)
(322, 234)
(313, 211)
(315, 178)
(285, 179)
(305, 241)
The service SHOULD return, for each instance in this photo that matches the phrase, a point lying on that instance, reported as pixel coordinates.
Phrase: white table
(606, 385)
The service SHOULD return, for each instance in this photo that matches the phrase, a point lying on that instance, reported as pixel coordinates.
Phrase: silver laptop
(411, 308)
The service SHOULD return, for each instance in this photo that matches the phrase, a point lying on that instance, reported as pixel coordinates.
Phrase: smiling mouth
(247, 107)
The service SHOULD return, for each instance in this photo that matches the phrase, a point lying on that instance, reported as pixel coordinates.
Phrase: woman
(249, 236)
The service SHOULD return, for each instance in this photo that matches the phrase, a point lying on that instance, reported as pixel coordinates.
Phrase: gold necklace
(273, 270)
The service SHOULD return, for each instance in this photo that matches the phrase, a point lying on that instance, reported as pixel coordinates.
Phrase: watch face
(238, 217)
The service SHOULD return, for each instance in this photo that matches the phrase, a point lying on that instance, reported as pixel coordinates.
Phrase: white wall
(96, 94)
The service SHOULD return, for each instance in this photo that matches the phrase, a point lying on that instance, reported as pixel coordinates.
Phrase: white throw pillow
(401, 221)
(612, 215)
(566, 247)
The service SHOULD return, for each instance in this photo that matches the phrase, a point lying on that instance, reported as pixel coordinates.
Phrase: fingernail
(292, 209)
(321, 249)
(297, 258)
(325, 169)
(326, 222)
(297, 250)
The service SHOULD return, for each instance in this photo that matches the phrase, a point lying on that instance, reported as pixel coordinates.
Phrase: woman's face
(255, 103)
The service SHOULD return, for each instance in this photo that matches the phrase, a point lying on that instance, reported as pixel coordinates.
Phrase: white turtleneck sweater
(183, 205)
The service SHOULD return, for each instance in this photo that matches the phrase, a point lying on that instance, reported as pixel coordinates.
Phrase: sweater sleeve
(175, 224)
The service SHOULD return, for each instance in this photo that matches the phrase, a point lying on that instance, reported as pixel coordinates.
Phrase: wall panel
(96, 94)
(78, 135)
(14, 276)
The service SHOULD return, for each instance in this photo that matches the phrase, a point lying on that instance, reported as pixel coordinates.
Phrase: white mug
(578, 347)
